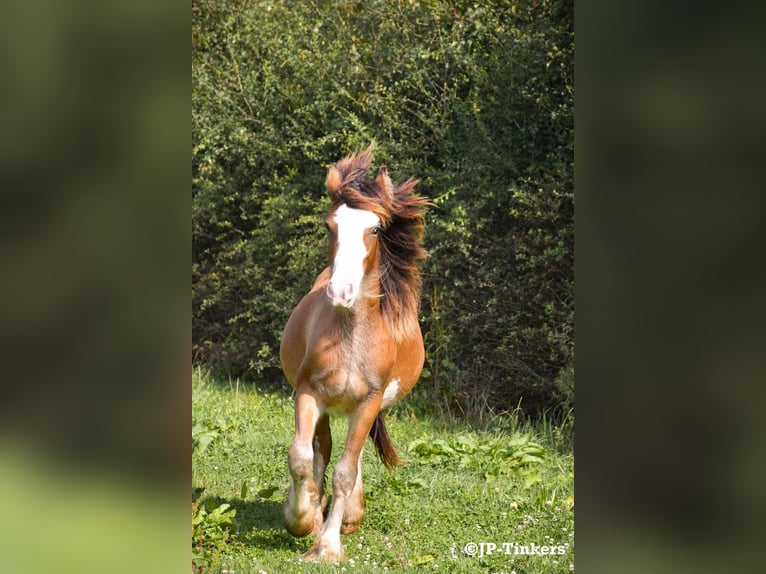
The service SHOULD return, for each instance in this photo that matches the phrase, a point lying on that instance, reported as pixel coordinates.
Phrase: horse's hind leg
(322, 451)
(354, 511)
(302, 510)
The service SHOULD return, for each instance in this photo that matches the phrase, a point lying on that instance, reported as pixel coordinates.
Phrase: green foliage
(212, 525)
(476, 99)
(489, 456)
(203, 434)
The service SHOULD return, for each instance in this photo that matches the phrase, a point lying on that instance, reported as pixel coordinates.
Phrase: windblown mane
(401, 250)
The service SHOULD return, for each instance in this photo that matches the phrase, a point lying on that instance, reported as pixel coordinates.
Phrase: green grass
(500, 482)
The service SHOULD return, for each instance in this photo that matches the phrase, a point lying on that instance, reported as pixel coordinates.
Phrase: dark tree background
(474, 98)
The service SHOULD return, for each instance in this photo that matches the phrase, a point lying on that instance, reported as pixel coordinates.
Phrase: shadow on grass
(260, 525)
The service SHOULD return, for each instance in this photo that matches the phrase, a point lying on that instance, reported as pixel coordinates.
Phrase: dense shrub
(474, 98)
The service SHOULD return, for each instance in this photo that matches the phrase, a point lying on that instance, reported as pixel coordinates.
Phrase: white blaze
(348, 269)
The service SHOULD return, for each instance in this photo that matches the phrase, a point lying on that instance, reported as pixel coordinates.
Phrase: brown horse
(353, 346)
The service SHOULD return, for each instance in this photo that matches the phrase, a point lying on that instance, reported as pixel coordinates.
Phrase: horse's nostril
(340, 296)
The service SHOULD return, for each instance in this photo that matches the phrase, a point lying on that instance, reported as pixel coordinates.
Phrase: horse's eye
(375, 230)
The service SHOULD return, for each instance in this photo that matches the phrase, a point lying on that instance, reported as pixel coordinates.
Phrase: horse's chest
(350, 373)
(341, 383)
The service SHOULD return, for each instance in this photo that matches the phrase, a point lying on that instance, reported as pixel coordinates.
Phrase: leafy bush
(489, 456)
(476, 99)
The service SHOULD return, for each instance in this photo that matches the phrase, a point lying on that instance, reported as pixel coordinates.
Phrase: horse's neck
(355, 325)
(357, 322)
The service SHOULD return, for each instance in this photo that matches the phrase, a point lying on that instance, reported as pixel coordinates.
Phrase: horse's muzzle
(342, 296)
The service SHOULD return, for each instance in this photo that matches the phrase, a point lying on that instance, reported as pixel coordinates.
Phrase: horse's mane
(401, 215)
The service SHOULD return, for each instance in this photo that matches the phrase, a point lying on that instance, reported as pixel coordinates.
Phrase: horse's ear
(385, 182)
(333, 181)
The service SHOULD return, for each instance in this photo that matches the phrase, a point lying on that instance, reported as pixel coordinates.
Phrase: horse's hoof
(298, 530)
(349, 527)
(323, 553)
(302, 526)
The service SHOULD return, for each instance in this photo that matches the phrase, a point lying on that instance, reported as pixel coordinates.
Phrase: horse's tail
(383, 444)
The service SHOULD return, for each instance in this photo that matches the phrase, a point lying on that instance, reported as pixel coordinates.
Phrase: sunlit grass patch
(501, 482)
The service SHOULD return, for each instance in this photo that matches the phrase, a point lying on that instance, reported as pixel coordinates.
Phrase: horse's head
(375, 232)
(355, 225)
(354, 235)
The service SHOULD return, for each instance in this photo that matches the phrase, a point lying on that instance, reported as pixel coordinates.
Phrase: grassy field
(499, 482)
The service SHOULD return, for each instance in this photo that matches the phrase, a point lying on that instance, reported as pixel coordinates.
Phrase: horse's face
(354, 237)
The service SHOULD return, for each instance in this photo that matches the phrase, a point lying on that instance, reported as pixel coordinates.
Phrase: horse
(353, 346)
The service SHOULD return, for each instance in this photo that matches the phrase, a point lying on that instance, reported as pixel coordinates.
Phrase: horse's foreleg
(302, 511)
(327, 545)
(322, 451)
